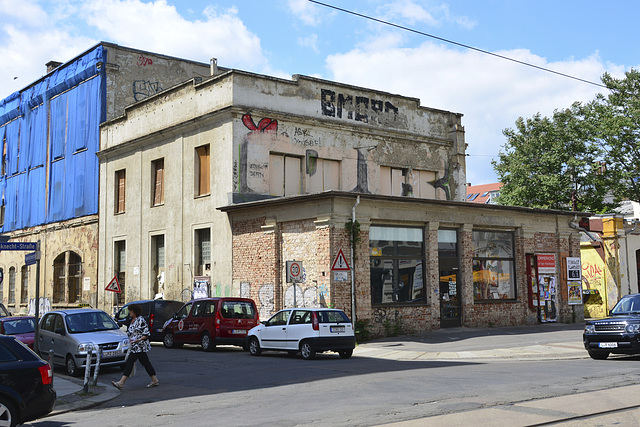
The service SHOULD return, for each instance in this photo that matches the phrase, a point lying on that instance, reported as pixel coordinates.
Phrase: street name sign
(19, 246)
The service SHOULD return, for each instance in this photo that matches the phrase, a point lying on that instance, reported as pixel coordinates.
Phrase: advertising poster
(575, 293)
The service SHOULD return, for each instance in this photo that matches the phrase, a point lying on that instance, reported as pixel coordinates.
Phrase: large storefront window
(397, 265)
(493, 266)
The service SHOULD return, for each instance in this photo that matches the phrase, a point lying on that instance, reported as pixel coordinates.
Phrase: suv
(619, 333)
(71, 333)
(210, 322)
(155, 313)
(307, 330)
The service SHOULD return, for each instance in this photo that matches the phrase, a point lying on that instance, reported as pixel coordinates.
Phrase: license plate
(337, 329)
(238, 331)
(110, 353)
(608, 345)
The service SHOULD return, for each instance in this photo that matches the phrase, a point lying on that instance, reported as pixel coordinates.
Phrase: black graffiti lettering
(345, 102)
(328, 102)
(390, 107)
(376, 105)
(362, 105)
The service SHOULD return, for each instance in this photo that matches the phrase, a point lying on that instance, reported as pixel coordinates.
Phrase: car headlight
(589, 329)
(125, 342)
(86, 346)
(633, 328)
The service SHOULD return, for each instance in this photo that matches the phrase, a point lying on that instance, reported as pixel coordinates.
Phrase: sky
(580, 38)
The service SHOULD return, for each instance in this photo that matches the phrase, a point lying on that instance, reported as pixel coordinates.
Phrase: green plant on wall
(353, 228)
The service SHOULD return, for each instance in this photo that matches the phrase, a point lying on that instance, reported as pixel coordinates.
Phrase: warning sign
(113, 285)
(340, 263)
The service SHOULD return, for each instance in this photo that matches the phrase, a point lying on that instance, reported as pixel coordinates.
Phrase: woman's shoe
(152, 384)
(116, 385)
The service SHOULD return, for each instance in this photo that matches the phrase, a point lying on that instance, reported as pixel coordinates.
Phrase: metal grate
(610, 327)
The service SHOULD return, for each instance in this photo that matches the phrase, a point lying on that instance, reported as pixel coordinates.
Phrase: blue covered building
(49, 173)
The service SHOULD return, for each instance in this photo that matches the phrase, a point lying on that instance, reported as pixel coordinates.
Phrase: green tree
(552, 163)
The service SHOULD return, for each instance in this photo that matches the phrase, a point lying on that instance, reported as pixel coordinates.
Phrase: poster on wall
(547, 288)
(575, 293)
(201, 286)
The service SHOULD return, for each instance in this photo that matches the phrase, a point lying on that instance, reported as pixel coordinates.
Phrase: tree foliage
(584, 158)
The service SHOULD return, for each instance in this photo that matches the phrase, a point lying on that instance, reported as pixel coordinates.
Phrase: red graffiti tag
(591, 270)
(264, 125)
(144, 61)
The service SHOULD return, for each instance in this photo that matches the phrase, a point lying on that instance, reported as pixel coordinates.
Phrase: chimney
(52, 65)
(214, 66)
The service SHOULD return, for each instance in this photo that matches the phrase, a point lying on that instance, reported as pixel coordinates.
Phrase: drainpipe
(626, 247)
(353, 267)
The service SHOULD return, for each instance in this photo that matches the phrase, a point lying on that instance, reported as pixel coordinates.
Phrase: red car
(210, 322)
(21, 327)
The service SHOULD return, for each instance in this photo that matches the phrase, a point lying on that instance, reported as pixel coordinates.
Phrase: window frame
(202, 175)
(157, 182)
(499, 259)
(120, 191)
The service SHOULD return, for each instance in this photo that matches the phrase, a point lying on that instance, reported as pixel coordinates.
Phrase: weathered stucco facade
(258, 137)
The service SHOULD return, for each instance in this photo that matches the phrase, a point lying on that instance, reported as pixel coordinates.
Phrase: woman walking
(138, 332)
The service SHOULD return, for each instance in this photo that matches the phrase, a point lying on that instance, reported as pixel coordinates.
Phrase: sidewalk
(71, 398)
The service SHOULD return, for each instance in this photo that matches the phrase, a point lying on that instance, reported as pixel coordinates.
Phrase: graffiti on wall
(360, 109)
(143, 61)
(444, 182)
(382, 315)
(304, 137)
(43, 307)
(266, 300)
(594, 283)
(264, 125)
(303, 298)
(143, 89)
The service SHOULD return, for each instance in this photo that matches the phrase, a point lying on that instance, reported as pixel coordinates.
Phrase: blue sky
(283, 37)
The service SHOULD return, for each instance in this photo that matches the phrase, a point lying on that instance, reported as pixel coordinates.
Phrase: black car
(619, 333)
(26, 383)
(155, 312)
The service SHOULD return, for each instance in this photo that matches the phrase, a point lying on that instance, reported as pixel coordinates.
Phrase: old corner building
(220, 181)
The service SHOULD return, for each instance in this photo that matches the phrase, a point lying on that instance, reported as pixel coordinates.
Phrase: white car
(305, 330)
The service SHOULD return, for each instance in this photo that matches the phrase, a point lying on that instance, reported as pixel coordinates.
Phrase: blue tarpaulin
(63, 110)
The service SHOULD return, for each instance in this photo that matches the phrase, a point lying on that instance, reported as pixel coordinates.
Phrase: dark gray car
(155, 313)
(71, 333)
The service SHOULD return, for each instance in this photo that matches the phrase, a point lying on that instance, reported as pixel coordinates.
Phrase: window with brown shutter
(202, 175)
(158, 175)
(121, 181)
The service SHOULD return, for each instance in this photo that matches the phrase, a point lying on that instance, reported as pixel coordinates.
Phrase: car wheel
(254, 346)
(307, 351)
(8, 414)
(206, 342)
(599, 355)
(345, 354)
(167, 340)
(72, 367)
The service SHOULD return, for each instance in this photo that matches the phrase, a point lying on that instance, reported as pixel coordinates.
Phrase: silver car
(71, 333)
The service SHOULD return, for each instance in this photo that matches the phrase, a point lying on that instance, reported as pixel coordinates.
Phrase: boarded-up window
(121, 181)
(403, 182)
(158, 182)
(202, 175)
(423, 184)
(285, 175)
(324, 177)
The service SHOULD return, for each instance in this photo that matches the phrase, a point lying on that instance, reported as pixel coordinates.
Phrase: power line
(457, 44)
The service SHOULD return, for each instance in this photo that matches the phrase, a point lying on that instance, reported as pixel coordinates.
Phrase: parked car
(210, 322)
(619, 333)
(307, 330)
(155, 313)
(22, 327)
(3, 311)
(71, 333)
(26, 383)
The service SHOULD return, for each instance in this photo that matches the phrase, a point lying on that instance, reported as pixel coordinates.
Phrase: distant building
(485, 193)
(49, 176)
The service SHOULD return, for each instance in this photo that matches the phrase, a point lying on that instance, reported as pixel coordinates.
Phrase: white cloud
(490, 92)
(306, 11)
(311, 41)
(414, 12)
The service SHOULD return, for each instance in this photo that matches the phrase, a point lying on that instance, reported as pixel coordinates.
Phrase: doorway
(449, 269)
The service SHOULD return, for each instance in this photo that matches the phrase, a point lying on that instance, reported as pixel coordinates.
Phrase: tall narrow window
(24, 284)
(157, 263)
(203, 251)
(158, 182)
(1, 284)
(12, 285)
(59, 277)
(285, 175)
(4, 157)
(120, 265)
(67, 277)
(75, 277)
(121, 184)
(202, 175)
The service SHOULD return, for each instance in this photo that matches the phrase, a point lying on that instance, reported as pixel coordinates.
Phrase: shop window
(158, 182)
(157, 262)
(12, 285)
(24, 284)
(493, 266)
(285, 177)
(202, 171)
(202, 252)
(120, 191)
(67, 278)
(397, 265)
(120, 266)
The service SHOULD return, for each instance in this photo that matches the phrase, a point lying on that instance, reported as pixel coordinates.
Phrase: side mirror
(175, 316)
(265, 323)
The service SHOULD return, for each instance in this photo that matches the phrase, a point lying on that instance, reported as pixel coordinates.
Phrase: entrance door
(450, 299)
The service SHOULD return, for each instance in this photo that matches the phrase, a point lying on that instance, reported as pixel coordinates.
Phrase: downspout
(353, 267)
(626, 247)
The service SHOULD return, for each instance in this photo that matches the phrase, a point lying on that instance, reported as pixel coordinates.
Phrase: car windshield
(19, 326)
(628, 304)
(89, 322)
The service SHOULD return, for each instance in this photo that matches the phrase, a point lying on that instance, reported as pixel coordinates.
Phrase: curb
(97, 395)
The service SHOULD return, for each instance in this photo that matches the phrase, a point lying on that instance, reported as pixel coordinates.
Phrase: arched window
(12, 285)
(67, 278)
(24, 284)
